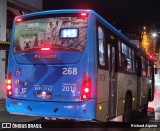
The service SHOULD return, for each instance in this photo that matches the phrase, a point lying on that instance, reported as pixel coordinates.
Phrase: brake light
(84, 14)
(151, 57)
(86, 90)
(19, 20)
(86, 87)
(9, 85)
(150, 109)
(43, 49)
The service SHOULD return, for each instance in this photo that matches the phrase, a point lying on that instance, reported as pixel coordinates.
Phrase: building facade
(8, 10)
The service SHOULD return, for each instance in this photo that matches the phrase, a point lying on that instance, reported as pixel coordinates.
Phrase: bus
(73, 64)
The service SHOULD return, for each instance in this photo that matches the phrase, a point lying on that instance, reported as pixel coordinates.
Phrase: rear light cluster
(9, 85)
(84, 14)
(86, 87)
(45, 49)
(18, 20)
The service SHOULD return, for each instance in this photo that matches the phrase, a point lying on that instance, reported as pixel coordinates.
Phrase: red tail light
(19, 20)
(84, 14)
(86, 87)
(45, 49)
(151, 57)
(150, 109)
(9, 85)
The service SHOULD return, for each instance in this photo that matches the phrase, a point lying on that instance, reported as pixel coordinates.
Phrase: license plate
(44, 95)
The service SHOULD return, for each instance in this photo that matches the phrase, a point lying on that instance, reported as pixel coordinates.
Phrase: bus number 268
(69, 71)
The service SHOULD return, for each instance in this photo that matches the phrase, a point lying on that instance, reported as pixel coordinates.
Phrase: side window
(101, 43)
(124, 61)
(129, 65)
(146, 67)
(149, 69)
(136, 65)
(124, 50)
(113, 60)
(143, 66)
(119, 46)
(129, 60)
(126, 58)
(133, 61)
(109, 57)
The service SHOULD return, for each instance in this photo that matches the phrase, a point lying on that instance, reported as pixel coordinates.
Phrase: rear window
(60, 33)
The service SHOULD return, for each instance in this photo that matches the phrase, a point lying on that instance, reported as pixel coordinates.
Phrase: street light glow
(154, 34)
(144, 28)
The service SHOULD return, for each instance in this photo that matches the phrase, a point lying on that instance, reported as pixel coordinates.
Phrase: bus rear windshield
(60, 33)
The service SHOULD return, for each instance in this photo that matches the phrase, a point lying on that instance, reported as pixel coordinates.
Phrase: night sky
(124, 13)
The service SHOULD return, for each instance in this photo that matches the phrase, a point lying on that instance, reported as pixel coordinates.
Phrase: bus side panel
(102, 95)
(146, 85)
(86, 110)
(125, 82)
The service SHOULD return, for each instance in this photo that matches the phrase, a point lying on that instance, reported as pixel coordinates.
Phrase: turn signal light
(9, 81)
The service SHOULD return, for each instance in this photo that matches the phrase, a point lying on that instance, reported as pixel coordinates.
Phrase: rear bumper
(67, 110)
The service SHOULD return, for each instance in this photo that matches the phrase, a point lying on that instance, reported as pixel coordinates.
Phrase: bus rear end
(49, 72)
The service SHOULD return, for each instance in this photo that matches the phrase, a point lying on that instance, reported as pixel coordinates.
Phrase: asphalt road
(139, 122)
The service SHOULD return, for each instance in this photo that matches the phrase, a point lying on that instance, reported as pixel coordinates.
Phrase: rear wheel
(127, 109)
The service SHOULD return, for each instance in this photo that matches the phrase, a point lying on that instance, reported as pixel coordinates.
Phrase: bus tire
(127, 108)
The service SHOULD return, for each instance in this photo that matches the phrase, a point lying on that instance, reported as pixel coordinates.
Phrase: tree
(147, 44)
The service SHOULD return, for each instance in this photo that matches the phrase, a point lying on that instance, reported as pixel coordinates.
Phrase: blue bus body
(30, 77)
(79, 67)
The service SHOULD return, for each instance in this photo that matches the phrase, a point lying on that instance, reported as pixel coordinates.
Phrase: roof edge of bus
(56, 12)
